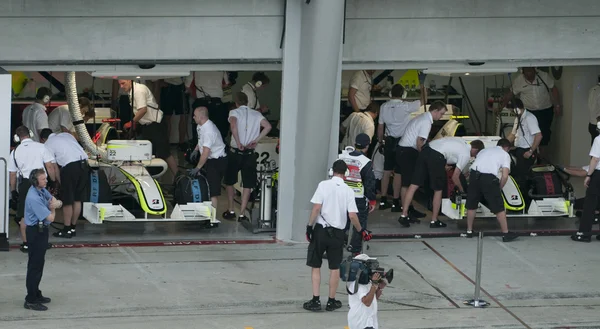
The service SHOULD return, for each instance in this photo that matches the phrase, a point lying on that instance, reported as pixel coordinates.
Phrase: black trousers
(590, 204)
(545, 118)
(363, 214)
(38, 244)
(521, 171)
(593, 131)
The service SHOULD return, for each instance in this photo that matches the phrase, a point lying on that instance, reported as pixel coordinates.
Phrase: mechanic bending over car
(431, 166)
(361, 180)
(211, 149)
(59, 120)
(74, 176)
(147, 121)
(407, 152)
(246, 133)
(484, 182)
(27, 156)
(526, 136)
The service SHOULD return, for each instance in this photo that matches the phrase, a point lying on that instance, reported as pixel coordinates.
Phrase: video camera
(361, 268)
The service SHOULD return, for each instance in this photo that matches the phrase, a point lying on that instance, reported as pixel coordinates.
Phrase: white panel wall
(430, 30)
(69, 30)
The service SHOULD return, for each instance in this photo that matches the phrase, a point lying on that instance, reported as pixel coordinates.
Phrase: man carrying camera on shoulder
(363, 304)
(333, 202)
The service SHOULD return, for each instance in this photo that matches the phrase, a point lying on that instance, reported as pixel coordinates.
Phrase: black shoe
(43, 300)
(73, 233)
(509, 236)
(437, 224)
(49, 246)
(396, 207)
(24, 248)
(333, 305)
(404, 221)
(598, 237)
(35, 306)
(384, 204)
(468, 234)
(412, 212)
(229, 215)
(580, 237)
(243, 218)
(313, 305)
(413, 220)
(63, 234)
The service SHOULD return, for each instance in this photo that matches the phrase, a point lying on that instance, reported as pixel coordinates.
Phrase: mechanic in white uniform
(27, 156)
(207, 89)
(484, 182)
(592, 193)
(359, 123)
(59, 120)
(359, 93)
(246, 125)
(394, 116)
(594, 108)
(34, 116)
(212, 153)
(259, 81)
(407, 152)
(74, 176)
(148, 122)
(527, 137)
(431, 166)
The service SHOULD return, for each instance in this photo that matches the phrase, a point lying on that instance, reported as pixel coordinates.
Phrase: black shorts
(156, 133)
(330, 240)
(23, 188)
(486, 186)
(389, 160)
(406, 160)
(544, 118)
(172, 99)
(74, 182)
(430, 164)
(244, 162)
(215, 170)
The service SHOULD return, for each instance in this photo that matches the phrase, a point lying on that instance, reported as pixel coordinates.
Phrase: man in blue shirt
(40, 208)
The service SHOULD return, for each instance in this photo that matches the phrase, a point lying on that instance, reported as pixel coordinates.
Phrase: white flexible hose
(73, 101)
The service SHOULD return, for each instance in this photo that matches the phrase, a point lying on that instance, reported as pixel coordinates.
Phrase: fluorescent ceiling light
(470, 70)
(138, 74)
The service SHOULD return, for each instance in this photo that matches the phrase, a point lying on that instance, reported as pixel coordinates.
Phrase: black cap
(362, 140)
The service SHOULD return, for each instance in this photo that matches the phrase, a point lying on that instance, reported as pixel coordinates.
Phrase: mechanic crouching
(74, 176)
(28, 155)
(362, 181)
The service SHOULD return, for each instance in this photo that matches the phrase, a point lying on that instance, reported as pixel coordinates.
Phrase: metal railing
(5, 186)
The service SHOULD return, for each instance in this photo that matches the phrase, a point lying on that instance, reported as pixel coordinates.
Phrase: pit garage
(309, 50)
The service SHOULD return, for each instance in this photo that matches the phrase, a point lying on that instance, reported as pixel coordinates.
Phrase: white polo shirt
(60, 117)
(418, 127)
(490, 160)
(35, 118)
(210, 136)
(143, 98)
(27, 156)
(355, 124)
(250, 92)
(337, 200)
(361, 316)
(594, 103)
(362, 82)
(208, 84)
(395, 114)
(535, 95)
(594, 152)
(248, 124)
(526, 132)
(454, 149)
(65, 149)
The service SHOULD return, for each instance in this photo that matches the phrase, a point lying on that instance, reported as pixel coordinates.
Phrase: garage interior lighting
(138, 75)
(470, 70)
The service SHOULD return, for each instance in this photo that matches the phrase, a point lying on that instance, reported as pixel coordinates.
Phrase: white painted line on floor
(149, 277)
(519, 257)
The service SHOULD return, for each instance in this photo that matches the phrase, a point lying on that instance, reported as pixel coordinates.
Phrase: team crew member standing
(148, 120)
(40, 208)
(246, 131)
(259, 81)
(359, 94)
(539, 94)
(360, 123)
(28, 155)
(484, 182)
(431, 166)
(59, 120)
(362, 181)
(527, 136)
(212, 153)
(34, 116)
(172, 102)
(594, 108)
(74, 176)
(592, 193)
(208, 91)
(393, 118)
(407, 152)
(333, 202)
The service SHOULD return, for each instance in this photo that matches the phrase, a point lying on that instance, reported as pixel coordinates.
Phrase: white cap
(364, 257)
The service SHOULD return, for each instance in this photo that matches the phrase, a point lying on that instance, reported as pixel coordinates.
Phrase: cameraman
(363, 303)
(333, 202)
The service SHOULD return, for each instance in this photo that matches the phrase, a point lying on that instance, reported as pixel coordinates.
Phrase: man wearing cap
(34, 116)
(362, 181)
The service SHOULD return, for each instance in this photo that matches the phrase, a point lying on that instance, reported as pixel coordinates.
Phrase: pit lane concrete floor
(533, 282)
